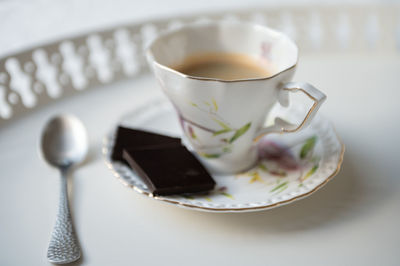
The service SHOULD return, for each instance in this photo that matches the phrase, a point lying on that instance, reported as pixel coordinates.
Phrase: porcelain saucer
(291, 166)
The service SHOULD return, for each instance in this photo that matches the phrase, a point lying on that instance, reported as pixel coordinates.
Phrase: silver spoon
(64, 144)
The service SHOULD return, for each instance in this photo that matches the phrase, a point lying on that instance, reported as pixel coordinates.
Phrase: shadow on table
(350, 195)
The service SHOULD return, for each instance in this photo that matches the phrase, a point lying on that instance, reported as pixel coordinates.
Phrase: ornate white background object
(40, 75)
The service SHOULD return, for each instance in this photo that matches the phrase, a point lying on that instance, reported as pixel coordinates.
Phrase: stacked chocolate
(163, 163)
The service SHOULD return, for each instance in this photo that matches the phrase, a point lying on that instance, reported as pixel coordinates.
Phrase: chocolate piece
(132, 138)
(169, 170)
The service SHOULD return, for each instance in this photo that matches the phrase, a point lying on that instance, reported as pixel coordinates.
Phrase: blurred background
(30, 22)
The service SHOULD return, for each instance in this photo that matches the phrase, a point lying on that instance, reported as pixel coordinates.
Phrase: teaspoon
(64, 144)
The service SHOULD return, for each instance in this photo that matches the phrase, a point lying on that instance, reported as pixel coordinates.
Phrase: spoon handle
(63, 247)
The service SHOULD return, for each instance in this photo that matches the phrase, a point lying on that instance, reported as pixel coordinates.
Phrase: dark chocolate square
(169, 170)
(133, 138)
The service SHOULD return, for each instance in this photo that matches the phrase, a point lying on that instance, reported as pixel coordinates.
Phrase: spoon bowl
(64, 141)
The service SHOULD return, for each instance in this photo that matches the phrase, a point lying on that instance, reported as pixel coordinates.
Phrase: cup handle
(282, 126)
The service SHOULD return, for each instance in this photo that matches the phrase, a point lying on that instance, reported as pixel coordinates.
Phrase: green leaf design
(221, 132)
(208, 199)
(308, 147)
(280, 186)
(240, 132)
(210, 155)
(283, 188)
(207, 103)
(215, 104)
(263, 167)
(188, 197)
(222, 124)
(227, 149)
(311, 172)
(227, 195)
(193, 104)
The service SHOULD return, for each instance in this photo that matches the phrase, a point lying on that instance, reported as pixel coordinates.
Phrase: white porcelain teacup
(222, 120)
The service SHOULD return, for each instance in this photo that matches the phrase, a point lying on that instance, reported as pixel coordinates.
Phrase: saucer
(292, 166)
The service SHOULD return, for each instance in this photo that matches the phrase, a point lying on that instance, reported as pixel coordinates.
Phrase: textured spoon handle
(63, 247)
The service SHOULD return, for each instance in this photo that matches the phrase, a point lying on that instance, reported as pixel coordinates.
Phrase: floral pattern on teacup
(226, 134)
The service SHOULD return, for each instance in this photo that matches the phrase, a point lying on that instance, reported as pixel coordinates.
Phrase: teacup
(222, 120)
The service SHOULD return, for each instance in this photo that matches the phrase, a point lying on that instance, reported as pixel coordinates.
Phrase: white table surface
(353, 220)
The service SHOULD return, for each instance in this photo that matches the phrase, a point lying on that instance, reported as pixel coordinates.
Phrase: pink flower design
(266, 48)
(281, 154)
